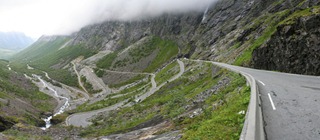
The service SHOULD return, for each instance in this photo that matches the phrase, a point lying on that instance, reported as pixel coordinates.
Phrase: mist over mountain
(98, 11)
(160, 69)
(12, 42)
(59, 17)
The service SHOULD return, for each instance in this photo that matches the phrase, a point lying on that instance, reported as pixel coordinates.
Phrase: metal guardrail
(253, 126)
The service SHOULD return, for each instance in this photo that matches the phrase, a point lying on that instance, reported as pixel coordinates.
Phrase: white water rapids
(61, 110)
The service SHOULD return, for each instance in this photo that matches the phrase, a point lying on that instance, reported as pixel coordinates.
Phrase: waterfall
(205, 15)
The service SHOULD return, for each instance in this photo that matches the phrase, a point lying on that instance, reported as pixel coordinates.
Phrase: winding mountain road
(290, 103)
(83, 119)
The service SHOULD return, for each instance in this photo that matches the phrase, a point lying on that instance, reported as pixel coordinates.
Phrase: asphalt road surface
(290, 104)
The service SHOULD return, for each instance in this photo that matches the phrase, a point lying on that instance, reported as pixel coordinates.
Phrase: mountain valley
(153, 78)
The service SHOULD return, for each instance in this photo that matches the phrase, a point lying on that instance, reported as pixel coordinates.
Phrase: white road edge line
(262, 83)
(273, 107)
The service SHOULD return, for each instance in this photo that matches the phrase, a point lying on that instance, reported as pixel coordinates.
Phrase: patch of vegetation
(300, 13)
(39, 100)
(221, 122)
(121, 63)
(137, 53)
(236, 45)
(166, 73)
(59, 118)
(63, 76)
(99, 72)
(301, 3)
(106, 62)
(277, 2)
(167, 50)
(3, 95)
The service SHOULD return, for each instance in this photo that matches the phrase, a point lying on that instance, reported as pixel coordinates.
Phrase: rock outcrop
(294, 48)
(5, 124)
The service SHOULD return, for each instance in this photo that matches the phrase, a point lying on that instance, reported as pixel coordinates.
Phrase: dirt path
(82, 119)
(79, 78)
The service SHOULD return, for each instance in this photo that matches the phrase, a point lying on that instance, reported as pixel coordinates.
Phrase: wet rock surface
(293, 48)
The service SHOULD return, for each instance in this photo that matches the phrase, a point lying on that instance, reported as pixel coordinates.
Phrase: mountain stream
(61, 109)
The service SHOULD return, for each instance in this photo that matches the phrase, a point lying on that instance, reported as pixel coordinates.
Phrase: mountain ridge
(12, 42)
(252, 33)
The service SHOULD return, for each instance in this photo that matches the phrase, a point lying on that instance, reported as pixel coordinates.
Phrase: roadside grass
(166, 73)
(221, 122)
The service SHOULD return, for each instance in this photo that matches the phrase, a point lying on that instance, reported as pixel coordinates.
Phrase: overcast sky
(38, 17)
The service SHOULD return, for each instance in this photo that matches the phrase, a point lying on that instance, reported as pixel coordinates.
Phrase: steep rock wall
(293, 48)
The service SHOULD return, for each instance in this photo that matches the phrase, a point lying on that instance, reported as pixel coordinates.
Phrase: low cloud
(67, 16)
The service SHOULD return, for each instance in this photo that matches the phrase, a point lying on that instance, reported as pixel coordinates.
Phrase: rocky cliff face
(114, 35)
(225, 32)
(194, 32)
(294, 48)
